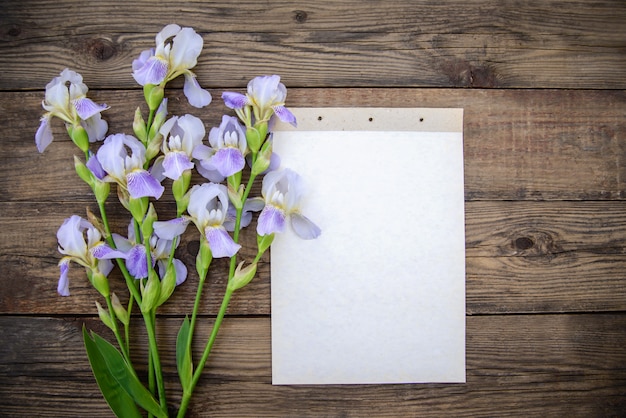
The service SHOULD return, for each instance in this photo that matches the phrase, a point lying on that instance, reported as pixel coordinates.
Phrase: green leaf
(183, 355)
(124, 376)
(120, 402)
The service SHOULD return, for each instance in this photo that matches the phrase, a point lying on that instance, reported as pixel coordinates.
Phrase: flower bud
(147, 225)
(204, 257)
(236, 196)
(168, 284)
(159, 118)
(254, 139)
(242, 276)
(79, 137)
(83, 172)
(120, 311)
(263, 242)
(138, 207)
(151, 292)
(139, 127)
(101, 190)
(154, 146)
(153, 95)
(263, 159)
(99, 281)
(104, 316)
(181, 185)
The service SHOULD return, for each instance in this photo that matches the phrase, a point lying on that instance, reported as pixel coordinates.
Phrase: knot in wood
(101, 49)
(524, 243)
(14, 31)
(300, 16)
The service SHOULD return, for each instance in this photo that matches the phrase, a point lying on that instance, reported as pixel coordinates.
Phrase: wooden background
(543, 85)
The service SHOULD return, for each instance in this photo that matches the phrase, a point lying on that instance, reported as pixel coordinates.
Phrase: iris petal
(141, 184)
(86, 107)
(103, 251)
(175, 163)
(196, 95)
(271, 220)
(153, 71)
(228, 161)
(136, 262)
(181, 271)
(168, 230)
(304, 227)
(70, 237)
(96, 168)
(187, 45)
(285, 115)
(43, 137)
(234, 100)
(221, 244)
(96, 127)
(63, 288)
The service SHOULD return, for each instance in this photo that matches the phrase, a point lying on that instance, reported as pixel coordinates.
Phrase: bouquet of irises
(237, 153)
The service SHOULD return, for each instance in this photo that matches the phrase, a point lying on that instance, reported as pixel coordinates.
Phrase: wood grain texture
(476, 43)
(518, 144)
(543, 87)
(520, 257)
(555, 365)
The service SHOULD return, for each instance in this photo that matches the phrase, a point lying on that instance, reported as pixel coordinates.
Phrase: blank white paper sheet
(379, 297)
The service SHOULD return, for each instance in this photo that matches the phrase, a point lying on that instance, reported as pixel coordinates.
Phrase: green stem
(196, 307)
(152, 342)
(130, 281)
(205, 355)
(222, 312)
(116, 331)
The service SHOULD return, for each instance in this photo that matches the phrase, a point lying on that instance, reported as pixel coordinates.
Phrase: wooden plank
(546, 365)
(470, 43)
(519, 145)
(521, 257)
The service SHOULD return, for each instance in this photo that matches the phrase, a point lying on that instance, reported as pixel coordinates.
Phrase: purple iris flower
(226, 154)
(266, 96)
(122, 157)
(66, 99)
(283, 191)
(208, 206)
(176, 53)
(81, 242)
(181, 135)
(160, 248)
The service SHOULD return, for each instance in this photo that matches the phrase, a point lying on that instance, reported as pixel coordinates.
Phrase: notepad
(379, 297)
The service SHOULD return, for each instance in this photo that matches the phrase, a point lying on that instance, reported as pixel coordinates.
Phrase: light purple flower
(122, 157)
(266, 96)
(283, 191)
(208, 205)
(226, 154)
(81, 242)
(66, 99)
(176, 53)
(181, 135)
(160, 248)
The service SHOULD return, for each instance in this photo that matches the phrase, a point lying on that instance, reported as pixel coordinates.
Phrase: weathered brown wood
(519, 145)
(551, 365)
(544, 132)
(521, 257)
(572, 44)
